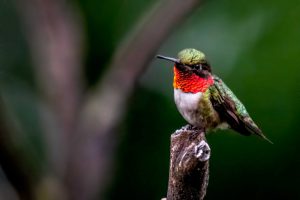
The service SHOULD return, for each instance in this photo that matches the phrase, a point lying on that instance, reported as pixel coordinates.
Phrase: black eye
(205, 67)
(198, 67)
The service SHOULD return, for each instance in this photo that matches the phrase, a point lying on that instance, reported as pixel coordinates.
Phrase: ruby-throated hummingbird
(204, 100)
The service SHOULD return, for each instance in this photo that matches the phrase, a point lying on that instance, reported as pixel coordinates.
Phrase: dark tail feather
(252, 128)
(264, 137)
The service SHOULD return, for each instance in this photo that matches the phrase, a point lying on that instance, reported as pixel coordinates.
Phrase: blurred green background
(254, 46)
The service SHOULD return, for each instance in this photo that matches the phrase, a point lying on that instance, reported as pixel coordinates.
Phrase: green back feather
(226, 92)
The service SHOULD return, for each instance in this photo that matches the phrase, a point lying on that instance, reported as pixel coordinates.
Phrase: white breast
(188, 105)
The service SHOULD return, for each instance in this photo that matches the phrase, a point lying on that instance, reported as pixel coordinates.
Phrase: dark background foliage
(254, 46)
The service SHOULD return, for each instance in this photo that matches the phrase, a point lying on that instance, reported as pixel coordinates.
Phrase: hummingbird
(204, 100)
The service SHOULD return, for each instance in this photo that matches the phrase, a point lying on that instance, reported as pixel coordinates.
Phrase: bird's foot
(196, 128)
(190, 127)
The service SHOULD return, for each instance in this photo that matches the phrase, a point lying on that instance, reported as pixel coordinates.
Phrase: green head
(190, 60)
(191, 57)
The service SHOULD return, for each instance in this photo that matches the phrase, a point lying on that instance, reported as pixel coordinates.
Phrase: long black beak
(168, 58)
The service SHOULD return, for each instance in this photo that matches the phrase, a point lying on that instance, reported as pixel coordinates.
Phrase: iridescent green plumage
(231, 109)
(220, 89)
(191, 56)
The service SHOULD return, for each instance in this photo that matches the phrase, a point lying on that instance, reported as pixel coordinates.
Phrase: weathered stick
(189, 162)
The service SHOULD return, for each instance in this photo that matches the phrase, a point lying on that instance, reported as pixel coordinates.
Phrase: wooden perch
(189, 162)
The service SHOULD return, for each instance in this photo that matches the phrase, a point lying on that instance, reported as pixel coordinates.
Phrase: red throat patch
(190, 82)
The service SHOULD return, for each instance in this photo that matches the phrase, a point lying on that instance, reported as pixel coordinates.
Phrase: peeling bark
(189, 163)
